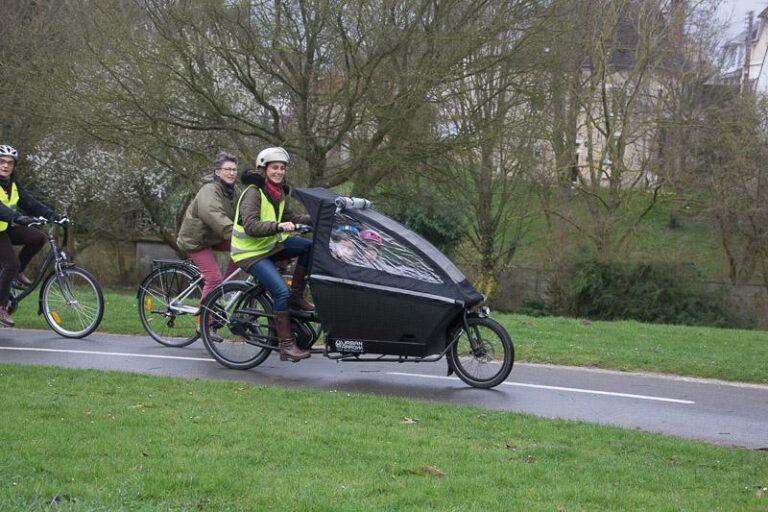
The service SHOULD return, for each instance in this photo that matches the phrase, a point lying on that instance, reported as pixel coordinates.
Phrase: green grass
(88, 440)
(695, 242)
(120, 313)
(729, 354)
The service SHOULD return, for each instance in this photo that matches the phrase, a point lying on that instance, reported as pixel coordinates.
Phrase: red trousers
(205, 259)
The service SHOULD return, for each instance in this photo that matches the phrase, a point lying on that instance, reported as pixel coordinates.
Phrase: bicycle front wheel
(169, 302)
(485, 360)
(72, 302)
(236, 325)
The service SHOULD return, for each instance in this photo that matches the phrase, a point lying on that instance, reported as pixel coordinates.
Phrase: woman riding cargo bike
(259, 239)
(387, 296)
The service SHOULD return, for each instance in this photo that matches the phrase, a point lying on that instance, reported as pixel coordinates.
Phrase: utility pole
(747, 54)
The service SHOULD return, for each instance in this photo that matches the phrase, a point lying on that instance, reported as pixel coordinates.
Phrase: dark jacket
(208, 219)
(250, 214)
(27, 204)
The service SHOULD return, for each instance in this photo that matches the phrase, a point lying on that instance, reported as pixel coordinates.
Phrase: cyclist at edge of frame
(15, 230)
(207, 224)
(259, 238)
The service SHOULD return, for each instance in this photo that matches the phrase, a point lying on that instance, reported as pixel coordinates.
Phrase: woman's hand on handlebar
(286, 227)
(24, 220)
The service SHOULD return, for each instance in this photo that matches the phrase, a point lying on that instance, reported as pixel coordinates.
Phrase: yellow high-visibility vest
(245, 246)
(10, 202)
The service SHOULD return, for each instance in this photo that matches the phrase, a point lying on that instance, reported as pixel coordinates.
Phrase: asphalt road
(708, 410)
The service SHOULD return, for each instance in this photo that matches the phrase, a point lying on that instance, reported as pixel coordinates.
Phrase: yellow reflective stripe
(246, 246)
(10, 202)
(235, 250)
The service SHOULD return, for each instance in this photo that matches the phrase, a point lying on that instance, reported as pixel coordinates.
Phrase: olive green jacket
(208, 219)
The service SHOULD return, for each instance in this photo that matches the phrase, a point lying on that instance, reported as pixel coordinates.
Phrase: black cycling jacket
(27, 204)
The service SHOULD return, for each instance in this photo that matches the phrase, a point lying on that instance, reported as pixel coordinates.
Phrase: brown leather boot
(298, 285)
(288, 349)
(5, 318)
(23, 279)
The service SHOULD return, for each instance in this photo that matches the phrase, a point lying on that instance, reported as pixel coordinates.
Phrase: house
(743, 59)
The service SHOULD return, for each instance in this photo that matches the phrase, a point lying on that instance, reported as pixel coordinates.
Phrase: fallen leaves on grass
(61, 499)
(423, 470)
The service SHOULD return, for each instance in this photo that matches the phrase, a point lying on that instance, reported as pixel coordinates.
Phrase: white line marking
(519, 384)
(638, 373)
(558, 388)
(95, 353)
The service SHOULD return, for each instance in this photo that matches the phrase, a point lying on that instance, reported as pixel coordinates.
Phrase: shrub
(658, 292)
(534, 307)
(438, 222)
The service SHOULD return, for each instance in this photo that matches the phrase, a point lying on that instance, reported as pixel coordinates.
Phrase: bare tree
(732, 149)
(36, 42)
(311, 76)
(347, 87)
(487, 113)
(606, 113)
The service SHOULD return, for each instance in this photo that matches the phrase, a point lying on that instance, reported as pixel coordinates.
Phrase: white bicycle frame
(176, 303)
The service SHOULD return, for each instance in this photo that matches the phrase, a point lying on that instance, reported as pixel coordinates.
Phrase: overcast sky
(735, 12)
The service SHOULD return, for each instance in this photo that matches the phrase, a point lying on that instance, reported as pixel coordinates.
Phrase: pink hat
(369, 235)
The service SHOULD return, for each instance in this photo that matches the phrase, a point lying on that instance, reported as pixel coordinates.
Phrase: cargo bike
(382, 294)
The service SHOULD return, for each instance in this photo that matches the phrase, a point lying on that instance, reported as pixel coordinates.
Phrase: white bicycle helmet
(272, 155)
(9, 151)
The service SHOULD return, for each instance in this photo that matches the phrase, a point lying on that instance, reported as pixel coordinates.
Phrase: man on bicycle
(15, 230)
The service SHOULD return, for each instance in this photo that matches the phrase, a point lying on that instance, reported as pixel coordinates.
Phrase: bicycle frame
(55, 256)
(176, 303)
(235, 297)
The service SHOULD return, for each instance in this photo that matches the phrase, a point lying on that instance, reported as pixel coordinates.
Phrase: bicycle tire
(484, 367)
(170, 326)
(72, 303)
(230, 324)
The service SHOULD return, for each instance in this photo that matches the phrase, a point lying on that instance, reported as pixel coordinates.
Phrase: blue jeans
(267, 274)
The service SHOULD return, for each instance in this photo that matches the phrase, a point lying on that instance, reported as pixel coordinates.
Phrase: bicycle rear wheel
(235, 317)
(169, 317)
(486, 362)
(72, 302)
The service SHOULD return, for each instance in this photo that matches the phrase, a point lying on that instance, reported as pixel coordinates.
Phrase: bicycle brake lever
(303, 228)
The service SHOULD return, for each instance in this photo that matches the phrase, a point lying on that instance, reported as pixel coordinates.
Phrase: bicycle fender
(50, 276)
(182, 265)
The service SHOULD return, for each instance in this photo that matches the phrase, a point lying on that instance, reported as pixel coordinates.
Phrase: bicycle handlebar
(303, 228)
(41, 221)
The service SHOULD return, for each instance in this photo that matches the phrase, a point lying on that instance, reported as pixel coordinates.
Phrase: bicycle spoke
(73, 304)
(169, 302)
